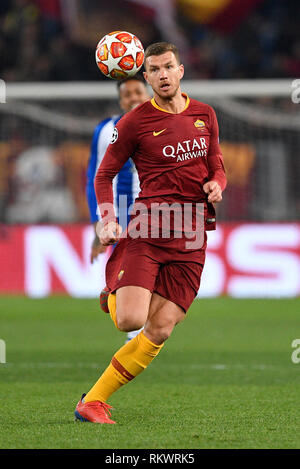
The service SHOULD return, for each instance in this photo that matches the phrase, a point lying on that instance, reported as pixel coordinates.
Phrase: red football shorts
(164, 266)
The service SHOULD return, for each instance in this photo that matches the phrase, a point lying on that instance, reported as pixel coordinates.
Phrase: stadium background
(229, 375)
(227, 46)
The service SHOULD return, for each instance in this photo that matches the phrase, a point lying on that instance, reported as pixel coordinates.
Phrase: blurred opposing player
(132, 91)
(174, 143)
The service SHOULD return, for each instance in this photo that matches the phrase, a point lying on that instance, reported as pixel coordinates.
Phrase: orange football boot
(95, 411)
(103, 300)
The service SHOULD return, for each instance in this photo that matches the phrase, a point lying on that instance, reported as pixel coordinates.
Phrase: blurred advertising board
(243, 260)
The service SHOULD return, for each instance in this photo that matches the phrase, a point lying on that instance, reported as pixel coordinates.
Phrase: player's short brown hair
(159, 48)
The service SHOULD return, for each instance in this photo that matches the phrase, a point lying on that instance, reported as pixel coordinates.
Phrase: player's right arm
(121, 148)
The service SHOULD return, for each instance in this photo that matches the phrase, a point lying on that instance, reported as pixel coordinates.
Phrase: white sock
(132, 334)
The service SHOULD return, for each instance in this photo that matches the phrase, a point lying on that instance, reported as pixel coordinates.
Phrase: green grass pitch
(225, 378)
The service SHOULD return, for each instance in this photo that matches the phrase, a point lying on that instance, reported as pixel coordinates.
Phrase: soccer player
(132, 91)
(174, 143)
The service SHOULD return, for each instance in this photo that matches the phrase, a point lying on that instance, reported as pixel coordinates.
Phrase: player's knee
(159, 332)
(128, 323)
(160, 328)
(158, 335)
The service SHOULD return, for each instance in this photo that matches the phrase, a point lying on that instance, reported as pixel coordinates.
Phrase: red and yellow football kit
(175, 154)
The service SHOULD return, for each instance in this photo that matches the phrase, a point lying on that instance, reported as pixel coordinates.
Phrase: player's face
(132, 93)
(163, 73)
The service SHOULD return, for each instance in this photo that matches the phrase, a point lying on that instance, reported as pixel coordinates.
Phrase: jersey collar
(154, 104)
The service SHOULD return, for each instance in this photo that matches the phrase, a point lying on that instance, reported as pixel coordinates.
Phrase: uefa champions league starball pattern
(119, 55)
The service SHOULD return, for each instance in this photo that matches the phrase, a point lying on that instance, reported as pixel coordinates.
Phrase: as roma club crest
(199, 124)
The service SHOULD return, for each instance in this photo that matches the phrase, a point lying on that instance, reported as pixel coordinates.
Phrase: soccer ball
(119, 55)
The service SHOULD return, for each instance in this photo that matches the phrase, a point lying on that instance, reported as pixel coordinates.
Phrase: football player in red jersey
(174, 143)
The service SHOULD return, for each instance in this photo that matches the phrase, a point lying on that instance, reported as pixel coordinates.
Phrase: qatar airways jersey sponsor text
(187, 149)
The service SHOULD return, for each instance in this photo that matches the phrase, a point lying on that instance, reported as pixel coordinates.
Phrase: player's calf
(163, 317)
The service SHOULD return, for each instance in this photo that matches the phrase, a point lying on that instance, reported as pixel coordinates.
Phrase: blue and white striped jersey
(125, 183)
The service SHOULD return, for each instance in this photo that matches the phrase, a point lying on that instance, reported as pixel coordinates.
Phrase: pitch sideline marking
(216, 366)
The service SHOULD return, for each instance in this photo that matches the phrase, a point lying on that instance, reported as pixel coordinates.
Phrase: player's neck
(175, 105)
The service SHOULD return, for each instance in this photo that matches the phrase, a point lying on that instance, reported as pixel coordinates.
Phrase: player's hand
(213, 189)
(96, 249)
(110, 233)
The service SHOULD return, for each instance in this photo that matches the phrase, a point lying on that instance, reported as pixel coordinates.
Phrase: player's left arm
(217, 177)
